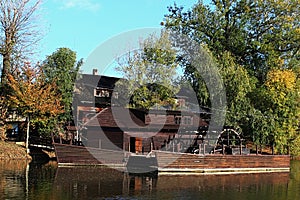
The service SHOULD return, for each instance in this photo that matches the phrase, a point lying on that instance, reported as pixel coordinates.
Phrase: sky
(83, 25)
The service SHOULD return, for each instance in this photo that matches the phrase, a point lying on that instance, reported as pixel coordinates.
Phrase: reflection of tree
(12, 176)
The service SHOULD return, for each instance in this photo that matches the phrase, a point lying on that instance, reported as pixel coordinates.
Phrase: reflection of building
(106, 183)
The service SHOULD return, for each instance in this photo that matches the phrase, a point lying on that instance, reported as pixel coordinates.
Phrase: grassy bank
(12, 151)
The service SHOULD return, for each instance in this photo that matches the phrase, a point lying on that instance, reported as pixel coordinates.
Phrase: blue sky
(82, 25)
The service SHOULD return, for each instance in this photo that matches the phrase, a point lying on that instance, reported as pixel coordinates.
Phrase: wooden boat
(173, 162)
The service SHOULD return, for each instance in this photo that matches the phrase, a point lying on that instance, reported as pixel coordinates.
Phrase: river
(20, 180)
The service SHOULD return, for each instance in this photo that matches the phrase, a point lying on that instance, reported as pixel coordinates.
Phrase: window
(187, 120)
(101, 93)
(177, 119)
(115, 95)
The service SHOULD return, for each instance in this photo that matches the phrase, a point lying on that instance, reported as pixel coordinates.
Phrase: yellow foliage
(281, 80)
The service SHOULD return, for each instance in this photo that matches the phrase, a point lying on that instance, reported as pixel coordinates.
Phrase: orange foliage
(33, 95)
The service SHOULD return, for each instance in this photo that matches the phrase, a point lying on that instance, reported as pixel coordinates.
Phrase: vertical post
(223, 149)
(173, 146)
(256, 149)
(241, 147)
(260, 147)
(77, 137)
(100, 144)
(27, 135)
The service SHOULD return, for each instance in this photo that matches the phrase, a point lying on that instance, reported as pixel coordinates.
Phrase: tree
(282, 94)
(33, 96)
(3, 110)
(149, 73)
(249, 39)
(62, 68)
(18, 33)
(238, 84)
(259, 34)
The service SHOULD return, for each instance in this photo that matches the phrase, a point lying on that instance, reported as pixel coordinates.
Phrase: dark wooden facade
(143, 132)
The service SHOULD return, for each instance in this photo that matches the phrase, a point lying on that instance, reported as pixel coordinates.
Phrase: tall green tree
(260, 34)
(62, 68)
(150, 73)
(249, 39)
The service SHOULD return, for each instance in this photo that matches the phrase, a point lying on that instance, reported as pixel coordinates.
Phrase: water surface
(20, 180)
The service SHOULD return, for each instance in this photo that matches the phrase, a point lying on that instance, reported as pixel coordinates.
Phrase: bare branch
(18, 32)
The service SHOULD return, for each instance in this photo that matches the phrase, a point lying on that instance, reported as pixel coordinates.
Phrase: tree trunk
(27, 135)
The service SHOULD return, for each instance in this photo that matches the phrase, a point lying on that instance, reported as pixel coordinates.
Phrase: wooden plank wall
(168, 160)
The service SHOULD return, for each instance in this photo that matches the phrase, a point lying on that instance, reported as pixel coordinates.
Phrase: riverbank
(12, 151)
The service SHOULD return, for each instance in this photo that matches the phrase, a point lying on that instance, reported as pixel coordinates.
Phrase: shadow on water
(20, 180)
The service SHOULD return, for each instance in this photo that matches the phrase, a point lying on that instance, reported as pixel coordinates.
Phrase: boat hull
(80, 155)
(171, 162)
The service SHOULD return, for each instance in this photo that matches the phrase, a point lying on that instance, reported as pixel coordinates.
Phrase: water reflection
(92, 183)
(20, 180)
(13, 179)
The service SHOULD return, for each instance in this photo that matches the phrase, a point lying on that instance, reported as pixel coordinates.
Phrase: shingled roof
(124, 118)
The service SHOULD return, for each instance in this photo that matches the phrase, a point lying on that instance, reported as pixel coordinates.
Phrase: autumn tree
(149, 73)
(62, 68)
(18, 33)
(33, 97)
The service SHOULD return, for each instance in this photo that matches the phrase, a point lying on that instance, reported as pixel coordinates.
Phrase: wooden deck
(169, 162)
(79, 155)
